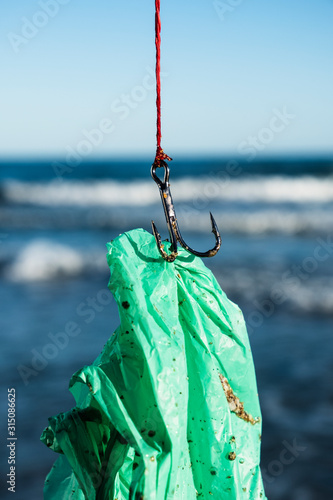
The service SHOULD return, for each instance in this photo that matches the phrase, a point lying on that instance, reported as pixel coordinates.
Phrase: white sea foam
(42, 260)
(79, 193)
(194, 191)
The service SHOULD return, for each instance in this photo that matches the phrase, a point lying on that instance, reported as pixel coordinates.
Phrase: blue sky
(70, 67)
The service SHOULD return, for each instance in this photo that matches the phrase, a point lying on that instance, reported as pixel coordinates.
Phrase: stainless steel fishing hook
(171, 219)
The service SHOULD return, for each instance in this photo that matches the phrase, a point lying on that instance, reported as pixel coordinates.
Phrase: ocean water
(276, 223)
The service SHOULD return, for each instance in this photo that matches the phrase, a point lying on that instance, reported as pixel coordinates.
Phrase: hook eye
(159, 181)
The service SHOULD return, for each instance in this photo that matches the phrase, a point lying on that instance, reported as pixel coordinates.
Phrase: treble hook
(172, 222)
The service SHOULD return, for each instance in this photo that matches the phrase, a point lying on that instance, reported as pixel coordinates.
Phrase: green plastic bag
(170, 409)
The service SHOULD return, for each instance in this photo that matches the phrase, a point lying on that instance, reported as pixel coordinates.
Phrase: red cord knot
(160, 155)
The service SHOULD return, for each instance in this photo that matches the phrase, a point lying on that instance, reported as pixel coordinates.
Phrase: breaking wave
(248, 205)
(254, 189)
(43, 260)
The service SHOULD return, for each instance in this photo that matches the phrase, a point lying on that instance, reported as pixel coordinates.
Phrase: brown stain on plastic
(235, 405)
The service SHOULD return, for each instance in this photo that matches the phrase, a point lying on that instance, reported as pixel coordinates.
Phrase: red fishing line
(160, 155)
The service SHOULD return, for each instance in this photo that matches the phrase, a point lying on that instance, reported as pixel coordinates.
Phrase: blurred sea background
(275, 217)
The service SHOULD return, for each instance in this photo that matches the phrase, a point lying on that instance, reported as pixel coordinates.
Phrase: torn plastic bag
(170, 409)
